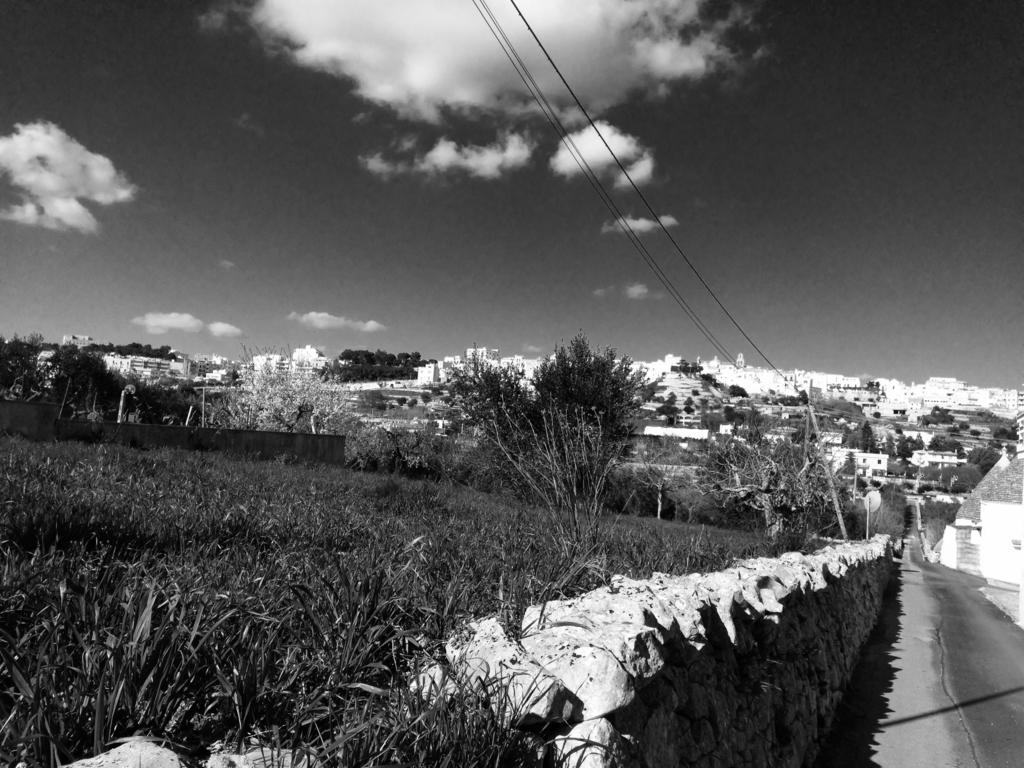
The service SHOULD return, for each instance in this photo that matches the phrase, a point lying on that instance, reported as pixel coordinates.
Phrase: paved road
(941, 682)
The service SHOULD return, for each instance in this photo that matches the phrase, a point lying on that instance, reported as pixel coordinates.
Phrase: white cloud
(226, 264)
(324, 320)
(486, 162)
(54, 173)
(637, 159)
(223, 330)
(602, 292)
(637, 291)
(418, 58)
(490, 161)
(532, 349)
(640, 225)
(162, 322)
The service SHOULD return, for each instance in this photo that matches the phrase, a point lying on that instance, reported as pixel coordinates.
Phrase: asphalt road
(941, 681)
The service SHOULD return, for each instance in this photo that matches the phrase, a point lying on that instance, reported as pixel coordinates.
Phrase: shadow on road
(958, 706)
(862, 712)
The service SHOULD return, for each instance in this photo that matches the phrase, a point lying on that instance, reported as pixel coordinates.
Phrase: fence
(37, 421)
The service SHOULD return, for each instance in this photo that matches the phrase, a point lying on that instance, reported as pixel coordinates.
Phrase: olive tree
(558, 434)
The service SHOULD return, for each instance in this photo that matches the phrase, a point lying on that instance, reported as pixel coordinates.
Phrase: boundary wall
(37, 421)
(744, 667)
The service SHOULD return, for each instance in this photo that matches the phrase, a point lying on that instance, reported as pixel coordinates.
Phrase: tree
(735, 390)
(984, 458)
(82, 382)
(944, 443)
(596, 382)
(280, 401)
(904, 448)
(669, 410)
(21, 375)
(561, 439)
(867, 439)
(778, 487)
(889, 446)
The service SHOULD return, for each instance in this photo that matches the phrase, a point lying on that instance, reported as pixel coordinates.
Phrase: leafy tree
(82, 382)
(596, 382)
(559, 440)
(867, 438)
(669, 410)
(1005, 433)
(21, 375)
(374, 400)
(735, 390)
(904, 448)
(944, 443)
(984, 458)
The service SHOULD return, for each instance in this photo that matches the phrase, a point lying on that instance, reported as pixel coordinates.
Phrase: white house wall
(1002, 525)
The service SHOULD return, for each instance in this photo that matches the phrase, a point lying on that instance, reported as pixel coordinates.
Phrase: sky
(234, 177)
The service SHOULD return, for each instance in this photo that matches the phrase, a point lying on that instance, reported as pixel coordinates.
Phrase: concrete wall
(328, 449)
(739, 668)
(31, 420)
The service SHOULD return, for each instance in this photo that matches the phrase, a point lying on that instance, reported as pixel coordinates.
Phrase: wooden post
(828, 475)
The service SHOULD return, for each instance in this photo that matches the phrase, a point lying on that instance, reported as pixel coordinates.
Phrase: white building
(77, 340)
(271, 363)
(483, 355)
(430, 374)
(307, 359)
(940, 459)
(869, 464)
(137, 366)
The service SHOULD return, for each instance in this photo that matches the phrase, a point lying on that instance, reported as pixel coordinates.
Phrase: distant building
(868, 464)
(307, 359)
(940, 459)
(271, 363)
(137, 366)
(483, 355)
(77, 340)
(208, 367)
(430, 374)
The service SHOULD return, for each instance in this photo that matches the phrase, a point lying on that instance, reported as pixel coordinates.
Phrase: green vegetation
(197, 597)
(556, 438)
(935, 516)
(364, 365)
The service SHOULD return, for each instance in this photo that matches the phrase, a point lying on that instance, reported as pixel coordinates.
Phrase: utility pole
(828, 474)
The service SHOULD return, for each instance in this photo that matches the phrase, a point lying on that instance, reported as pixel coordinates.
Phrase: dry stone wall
(744, 667)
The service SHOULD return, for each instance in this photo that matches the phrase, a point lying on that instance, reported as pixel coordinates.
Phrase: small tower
(740, 362)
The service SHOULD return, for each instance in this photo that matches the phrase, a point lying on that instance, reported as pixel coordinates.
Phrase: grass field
(196, 597)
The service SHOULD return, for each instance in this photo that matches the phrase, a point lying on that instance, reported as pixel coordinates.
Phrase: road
(941, 682)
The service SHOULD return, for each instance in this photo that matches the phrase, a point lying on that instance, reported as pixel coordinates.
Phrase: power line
(639, 193)
(494, 26)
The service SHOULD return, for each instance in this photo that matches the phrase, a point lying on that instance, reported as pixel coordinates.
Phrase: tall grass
(198, 598)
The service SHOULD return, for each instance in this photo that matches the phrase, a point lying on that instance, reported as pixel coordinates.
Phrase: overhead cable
(640, 194)
(494, 26)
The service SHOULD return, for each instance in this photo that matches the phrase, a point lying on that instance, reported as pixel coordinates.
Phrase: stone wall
(744, 667)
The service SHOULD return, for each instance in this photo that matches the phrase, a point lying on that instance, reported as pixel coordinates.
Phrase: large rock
(593, 744)
(530, 694)
(137, 753)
